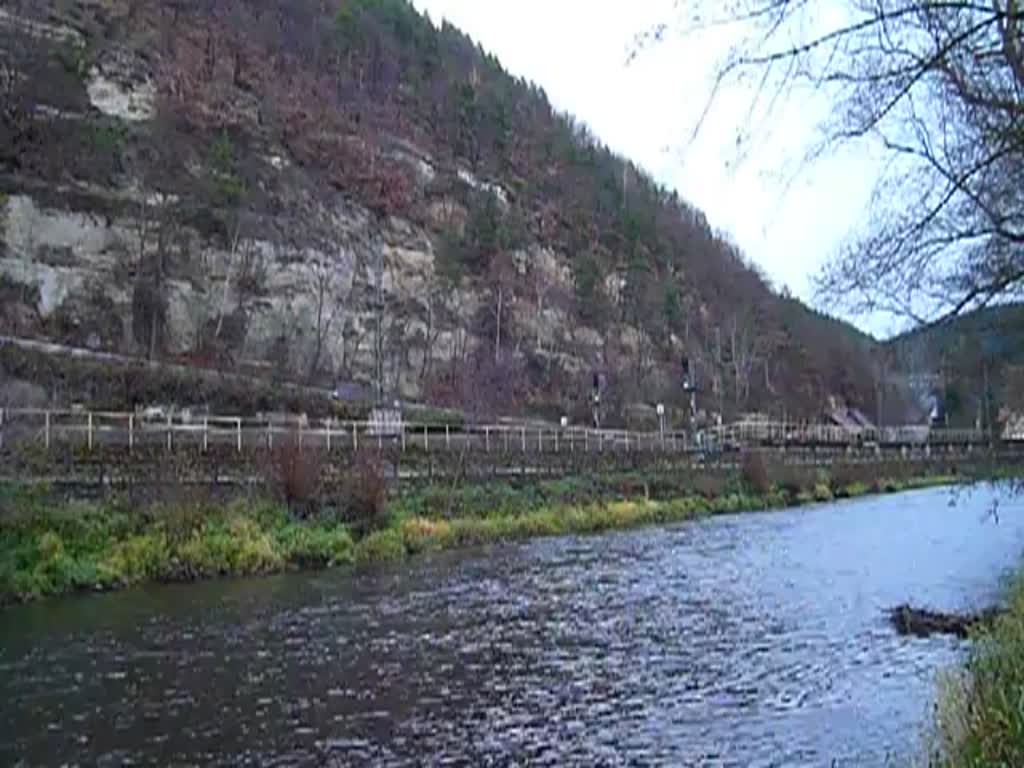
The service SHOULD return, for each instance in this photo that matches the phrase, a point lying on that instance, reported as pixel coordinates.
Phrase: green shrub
(179, 522)
(76, 57)
(305, 546)
(822, 492)
(269, 514)
(470, 532)
(420, 534)
(52, 570)
(239, 547)
(381, 546)
(853, 490)
(134, 560)
(50, 546)
(793, 479)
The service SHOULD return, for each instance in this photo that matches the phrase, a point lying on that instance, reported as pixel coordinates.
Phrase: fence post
(270, 436)
(238, 433)
(556, 440)
(168, 430)
(524, 438)
(89, 436)
(300, 433)
(447, 438)
(131, 432)
(328, 434)
(403, 436)
(487, 439)
(206, 433)
(426, 439)
(586, 440)
(355, 437)
(2, 413)
(540, 440)
(47, 439)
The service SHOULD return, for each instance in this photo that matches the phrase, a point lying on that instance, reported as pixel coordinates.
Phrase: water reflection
(749, 640)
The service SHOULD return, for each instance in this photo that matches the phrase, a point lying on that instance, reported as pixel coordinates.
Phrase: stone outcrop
(79, 267)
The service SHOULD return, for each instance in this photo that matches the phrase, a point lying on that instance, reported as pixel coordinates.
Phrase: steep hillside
(343, 191)
(996, 332)
(970, 360)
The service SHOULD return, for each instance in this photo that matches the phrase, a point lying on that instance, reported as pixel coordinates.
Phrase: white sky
(786, 217)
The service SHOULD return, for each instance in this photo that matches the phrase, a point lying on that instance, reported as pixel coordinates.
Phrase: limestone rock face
(78, 272)
(119, 256)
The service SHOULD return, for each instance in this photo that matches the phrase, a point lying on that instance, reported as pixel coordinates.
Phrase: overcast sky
(788, 217)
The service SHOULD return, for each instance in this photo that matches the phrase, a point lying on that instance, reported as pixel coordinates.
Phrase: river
(755, 639)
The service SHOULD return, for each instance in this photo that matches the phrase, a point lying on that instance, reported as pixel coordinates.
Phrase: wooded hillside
(414, 122)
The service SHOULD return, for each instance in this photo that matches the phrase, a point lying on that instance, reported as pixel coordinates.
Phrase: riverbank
(979, 717)
(50, 548)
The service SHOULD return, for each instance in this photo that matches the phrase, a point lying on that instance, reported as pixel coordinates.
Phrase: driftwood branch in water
(920, 622)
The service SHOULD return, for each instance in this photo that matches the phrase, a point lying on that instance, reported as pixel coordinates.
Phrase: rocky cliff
(267, 186)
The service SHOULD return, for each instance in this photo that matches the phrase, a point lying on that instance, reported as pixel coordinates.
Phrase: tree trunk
(314, 362)
(497, 334)
(379, 342)
(227, 281)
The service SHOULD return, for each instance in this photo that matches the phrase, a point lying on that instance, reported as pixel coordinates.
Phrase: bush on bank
(49, 548)
(980, 713)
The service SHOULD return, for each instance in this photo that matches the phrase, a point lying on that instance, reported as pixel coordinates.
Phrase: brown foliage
(297, 472)
(709, 486)
(793, 479)
(755, 473)
(364, 495)
(843, 474)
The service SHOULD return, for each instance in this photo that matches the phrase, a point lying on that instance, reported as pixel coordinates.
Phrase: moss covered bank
(49, 547)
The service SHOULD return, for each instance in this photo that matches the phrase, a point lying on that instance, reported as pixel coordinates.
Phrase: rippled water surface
(748, 640)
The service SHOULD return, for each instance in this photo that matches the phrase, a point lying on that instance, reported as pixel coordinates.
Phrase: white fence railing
(745, 433)
(129, 430)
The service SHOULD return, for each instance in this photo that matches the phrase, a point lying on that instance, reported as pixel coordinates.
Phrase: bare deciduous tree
(327, 286)
(745, 351)
(940, 87)
(435, 301)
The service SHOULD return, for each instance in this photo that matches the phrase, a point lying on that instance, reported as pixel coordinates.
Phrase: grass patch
(381, 546)
(49, 548)
(980, 711)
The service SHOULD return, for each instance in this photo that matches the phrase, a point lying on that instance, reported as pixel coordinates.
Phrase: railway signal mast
(599, 385)
(690, 388)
